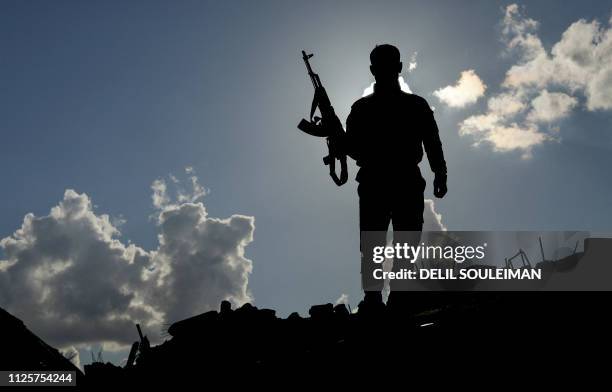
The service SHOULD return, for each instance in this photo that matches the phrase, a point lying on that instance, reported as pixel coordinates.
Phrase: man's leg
(374, 218)
(407, 219)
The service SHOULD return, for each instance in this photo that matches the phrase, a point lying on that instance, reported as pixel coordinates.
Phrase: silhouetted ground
(20, 349)
(427, 335)
(427, 331)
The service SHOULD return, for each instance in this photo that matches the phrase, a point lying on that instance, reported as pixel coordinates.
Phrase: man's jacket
(386, 133)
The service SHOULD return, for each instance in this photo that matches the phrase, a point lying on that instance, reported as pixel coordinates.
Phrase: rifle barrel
(313, 76)
(139, 331)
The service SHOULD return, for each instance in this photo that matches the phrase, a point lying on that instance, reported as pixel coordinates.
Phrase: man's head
(385, 63)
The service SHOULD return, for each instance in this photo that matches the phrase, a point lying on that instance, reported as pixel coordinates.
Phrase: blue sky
(106, 97)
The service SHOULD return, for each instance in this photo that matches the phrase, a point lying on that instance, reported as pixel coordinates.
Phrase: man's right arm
(353, 134)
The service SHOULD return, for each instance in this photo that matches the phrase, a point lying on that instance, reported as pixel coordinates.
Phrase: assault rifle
(327, 125)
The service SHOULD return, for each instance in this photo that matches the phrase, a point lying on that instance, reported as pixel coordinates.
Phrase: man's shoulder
(415, 99)
(407, 98)
(362, 102)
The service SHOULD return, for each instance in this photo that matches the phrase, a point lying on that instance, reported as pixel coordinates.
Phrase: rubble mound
(22, 350)
(413, 330)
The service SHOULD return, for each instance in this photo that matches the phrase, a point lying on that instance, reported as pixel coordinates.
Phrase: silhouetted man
(385, 134)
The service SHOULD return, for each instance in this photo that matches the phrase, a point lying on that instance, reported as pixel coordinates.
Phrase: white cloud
(404, 85)
(343, 299)
(549, 107)
(464, 92)
(71, 278)
(413, 62)
(73, 355)
(506, 103)
(432, 221)
(160, 196)
(543, 86)
(200, 260)
(581, 62)
(503, 137)
(368, 90)
(599, 91)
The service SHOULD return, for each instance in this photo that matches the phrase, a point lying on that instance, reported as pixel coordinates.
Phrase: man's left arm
(433, 149)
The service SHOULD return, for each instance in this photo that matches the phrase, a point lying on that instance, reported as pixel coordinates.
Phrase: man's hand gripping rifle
(328, 126)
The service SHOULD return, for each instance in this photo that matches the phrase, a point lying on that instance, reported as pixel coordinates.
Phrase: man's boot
(372, 305)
